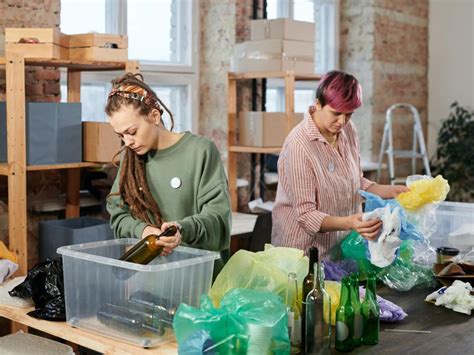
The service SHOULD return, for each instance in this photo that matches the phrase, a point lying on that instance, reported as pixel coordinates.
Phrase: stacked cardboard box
(277, 45)
(265, 129)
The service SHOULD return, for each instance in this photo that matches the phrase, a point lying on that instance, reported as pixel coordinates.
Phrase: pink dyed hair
(340, 90)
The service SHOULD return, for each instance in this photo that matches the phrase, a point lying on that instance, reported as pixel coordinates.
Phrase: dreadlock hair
(133, 186)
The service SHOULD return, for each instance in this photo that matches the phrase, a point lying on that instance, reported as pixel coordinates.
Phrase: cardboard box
(94, 46)
(99, 142)
(47, 43)
(274, 55)
(282, 28)
(53, 133)
(265, 129)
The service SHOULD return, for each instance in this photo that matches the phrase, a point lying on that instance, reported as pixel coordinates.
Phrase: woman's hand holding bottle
(169, 243)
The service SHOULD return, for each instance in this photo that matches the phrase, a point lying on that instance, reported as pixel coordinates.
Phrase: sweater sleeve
(210, 228)
(122, 222)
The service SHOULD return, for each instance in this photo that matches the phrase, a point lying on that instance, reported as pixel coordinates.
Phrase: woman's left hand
(387, 191)
(171, 242)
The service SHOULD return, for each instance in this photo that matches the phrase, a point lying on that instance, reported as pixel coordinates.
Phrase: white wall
(450, 61)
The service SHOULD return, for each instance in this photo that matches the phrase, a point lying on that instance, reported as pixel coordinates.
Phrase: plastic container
(454, 226)
(136, 309)
(445, 254)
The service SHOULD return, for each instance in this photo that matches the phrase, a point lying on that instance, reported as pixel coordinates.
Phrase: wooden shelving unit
(289, 78)
(16, 168)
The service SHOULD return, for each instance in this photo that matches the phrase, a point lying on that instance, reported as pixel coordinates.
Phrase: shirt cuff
(366, 183)
(138, 231)
(312, 221)
(187, 230)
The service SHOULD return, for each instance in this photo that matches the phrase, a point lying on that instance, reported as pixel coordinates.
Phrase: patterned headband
(138, 93)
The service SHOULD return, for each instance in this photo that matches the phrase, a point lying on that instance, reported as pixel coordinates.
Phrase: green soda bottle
(370, 313)
(358, 320)
(345, 318)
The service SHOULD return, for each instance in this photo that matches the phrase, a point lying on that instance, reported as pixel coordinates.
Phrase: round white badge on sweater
(175, 182)
(331, 167)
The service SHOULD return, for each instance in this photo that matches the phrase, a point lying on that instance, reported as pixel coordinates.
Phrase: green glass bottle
(358, 320)
(318, 316)
(308, 285)
(294, 313)
(146, 249)
(370, 313)
(345, 318)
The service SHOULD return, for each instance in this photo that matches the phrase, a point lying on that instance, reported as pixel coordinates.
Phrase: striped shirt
(316, 180)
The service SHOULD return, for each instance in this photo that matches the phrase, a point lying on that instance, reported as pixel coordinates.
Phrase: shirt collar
(314, 133)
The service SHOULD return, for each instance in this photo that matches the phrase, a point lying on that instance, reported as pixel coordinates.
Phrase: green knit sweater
(200, 203)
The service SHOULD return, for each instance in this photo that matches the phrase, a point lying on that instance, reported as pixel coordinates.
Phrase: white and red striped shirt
(314, 181)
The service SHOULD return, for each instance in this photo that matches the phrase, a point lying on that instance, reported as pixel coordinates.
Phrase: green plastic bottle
(358, 320)
(370, 313)
(345, 318)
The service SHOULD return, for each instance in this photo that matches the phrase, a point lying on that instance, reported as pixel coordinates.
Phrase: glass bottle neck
(370, 291)
(313, 258)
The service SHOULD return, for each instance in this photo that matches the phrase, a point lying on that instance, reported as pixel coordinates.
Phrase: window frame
(158, 73)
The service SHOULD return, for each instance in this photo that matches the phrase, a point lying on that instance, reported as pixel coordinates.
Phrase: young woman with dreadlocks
(165, 178)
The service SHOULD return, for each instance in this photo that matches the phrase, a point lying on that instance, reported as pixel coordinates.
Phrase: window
(162, 35)
(324, 13)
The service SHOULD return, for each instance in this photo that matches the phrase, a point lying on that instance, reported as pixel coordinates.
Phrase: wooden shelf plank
(261, 75)
(81, 65)
(63, 166)
(248, 149)
(5, 171)
(97, 342)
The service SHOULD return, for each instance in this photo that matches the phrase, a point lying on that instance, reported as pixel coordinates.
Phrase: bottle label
(358, 325)
(342, 331)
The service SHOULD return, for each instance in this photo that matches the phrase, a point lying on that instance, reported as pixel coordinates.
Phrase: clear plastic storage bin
(454, 226)
(132, 302)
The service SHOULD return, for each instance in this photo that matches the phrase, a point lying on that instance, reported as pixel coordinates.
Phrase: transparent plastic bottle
(318, 316)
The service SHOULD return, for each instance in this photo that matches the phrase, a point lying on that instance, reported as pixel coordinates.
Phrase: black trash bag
(45, 285)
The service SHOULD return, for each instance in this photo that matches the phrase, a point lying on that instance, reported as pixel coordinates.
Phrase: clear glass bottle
(294, 313)
(345, 318)
(358, 321)
(308, 285)
(318, 316)
(371, 313)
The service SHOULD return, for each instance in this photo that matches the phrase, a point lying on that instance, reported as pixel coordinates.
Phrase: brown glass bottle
(147, 249)
(308, 285)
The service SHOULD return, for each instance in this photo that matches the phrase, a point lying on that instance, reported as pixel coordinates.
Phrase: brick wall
(41, 84)
(385, 44)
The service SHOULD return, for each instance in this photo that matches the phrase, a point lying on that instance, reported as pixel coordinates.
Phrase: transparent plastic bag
(264, 271)
(423, 190)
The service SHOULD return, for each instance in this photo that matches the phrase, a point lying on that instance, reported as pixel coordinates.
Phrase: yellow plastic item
(334, 290)
(6, 254)
(424, 191)
(264, 271)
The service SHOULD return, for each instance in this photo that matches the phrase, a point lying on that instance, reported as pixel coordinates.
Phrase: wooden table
(81, 337)
(451, 332)
(242, 228)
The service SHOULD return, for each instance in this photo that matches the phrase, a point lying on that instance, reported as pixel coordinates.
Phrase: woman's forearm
(331, 224)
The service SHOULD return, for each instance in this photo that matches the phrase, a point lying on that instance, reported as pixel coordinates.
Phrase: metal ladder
(386, 146)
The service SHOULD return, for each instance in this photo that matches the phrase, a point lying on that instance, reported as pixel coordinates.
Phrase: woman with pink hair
(317, 203)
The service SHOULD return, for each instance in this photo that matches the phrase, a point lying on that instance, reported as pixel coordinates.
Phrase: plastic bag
(408, 230)
(402, 275)
(248, 321)
(264, 271)
(45, 285)
(423, 190)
